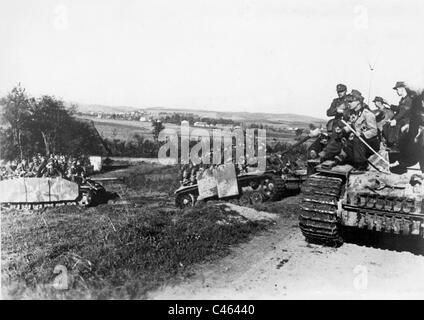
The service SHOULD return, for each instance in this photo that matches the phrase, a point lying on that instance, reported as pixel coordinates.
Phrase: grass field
(115, 251)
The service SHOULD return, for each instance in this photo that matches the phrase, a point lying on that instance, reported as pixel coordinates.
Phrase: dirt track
(279, 264)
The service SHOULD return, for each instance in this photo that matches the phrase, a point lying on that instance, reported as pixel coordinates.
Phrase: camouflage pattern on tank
(385, 202)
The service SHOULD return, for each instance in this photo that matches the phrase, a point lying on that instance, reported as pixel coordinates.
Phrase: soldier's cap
(350, 98)
(357, 95)
(378, 99)
(341, 87)
(399, 84)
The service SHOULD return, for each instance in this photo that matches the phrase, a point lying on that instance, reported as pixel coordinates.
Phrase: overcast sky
(240, 55)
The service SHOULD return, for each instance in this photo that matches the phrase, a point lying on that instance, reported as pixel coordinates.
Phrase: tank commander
(358, 94)
(363, 121)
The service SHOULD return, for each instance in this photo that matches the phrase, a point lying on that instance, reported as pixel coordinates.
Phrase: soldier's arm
(403, 113)
(332, 111)
(403, 109)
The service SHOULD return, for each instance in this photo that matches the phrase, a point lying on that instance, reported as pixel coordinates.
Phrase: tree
(44, 125)
(50, 117)
(157, 128)
(16, 113)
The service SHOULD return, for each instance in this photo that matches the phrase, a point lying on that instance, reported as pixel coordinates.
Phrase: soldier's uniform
(318, 145)
(355, 151)
(336, 108)
(383, 115)
(334, 145)
(401, 116)
(21, 169)
(412, 141)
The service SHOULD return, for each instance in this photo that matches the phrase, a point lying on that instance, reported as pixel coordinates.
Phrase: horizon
(188, 109)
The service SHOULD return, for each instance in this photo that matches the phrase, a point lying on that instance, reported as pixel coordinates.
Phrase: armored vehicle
(251, 187)
(36, 193)
(335, 196)
(246, 188)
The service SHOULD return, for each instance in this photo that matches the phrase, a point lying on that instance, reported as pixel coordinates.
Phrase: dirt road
(279, 264)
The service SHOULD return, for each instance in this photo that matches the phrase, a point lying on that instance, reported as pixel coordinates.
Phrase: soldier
(71, 170)
(416, 128)
(358, 95)
(185, 174)
(412, 141)
(383, 115)
(337, 107)
(22, 168)
(363, 121)
(401, 116)
(334, 145)
(386, 113)
(193, 174)
(42, 166)
(80, 172)
(61, 165)
(318, 145)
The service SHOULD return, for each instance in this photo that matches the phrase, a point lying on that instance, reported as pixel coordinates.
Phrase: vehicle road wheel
(185, 200)
(256, 197)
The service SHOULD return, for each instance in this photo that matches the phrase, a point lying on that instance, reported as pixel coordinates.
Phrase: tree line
(42, 125)
(45, 125)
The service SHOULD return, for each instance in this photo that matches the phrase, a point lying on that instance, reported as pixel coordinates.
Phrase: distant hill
(288, 118)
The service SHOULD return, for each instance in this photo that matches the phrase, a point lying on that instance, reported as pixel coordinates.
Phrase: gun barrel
(298, 143)
(106, 179)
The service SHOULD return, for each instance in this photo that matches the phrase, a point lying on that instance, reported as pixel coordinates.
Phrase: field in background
(125, 130)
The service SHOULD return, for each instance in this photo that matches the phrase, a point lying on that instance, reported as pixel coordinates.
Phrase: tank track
(37, 206)
(318, 218)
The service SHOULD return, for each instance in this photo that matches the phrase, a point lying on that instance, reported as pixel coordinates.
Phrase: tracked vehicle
(245, 189)
(335, 197)
(253, 187)
(36, 193)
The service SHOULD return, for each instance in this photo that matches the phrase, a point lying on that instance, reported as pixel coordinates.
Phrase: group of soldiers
(356, 131)
(52, 166)
(190, 172)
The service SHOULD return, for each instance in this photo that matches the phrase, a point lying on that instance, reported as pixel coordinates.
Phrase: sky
(226, 55)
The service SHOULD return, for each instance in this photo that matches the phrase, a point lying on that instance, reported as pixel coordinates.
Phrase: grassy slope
(115, 251)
